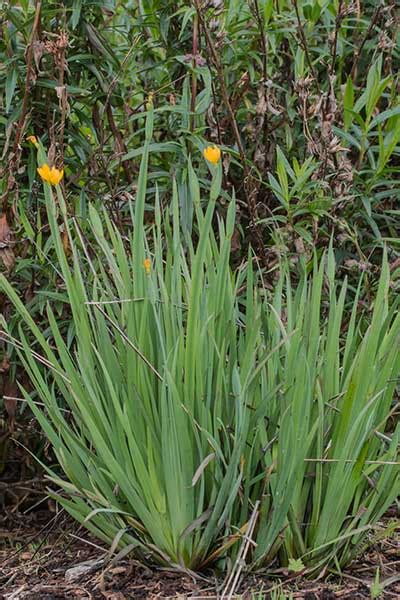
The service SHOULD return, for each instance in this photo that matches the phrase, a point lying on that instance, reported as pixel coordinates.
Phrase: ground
(38, 549)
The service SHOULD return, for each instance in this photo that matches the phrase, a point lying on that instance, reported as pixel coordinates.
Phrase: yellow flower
(33, 139)
(50, 174)
(147, 265)
(212, 154)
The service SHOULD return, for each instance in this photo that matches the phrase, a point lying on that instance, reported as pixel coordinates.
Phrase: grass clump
(192, 403)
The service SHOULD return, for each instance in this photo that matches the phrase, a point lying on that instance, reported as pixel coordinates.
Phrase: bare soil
(38, 549)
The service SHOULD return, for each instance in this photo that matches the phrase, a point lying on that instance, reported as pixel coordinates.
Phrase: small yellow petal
(51, 175)
(44, 172)
(212, 154)
(147, 265)
(56, 175)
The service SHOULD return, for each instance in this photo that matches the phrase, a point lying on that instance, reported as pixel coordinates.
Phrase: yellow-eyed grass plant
(199, 403)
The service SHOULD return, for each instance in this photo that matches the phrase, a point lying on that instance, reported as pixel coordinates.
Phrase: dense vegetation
(212, 350)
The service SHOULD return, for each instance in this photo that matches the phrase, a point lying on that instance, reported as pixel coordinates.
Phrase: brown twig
(304, 44)
(250, 185)
(195, 52)
(116, 77)
(233, 578)
(264, 58)
(48, 526)
(63, 97)
(353, 73)
(119, 142)
(14, 154)
(339, 19)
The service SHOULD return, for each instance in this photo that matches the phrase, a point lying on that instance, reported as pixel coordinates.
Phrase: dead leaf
(65, 242)
(395, 264)
(10, 391)
(7, 255)
(261, 106)
(299, 245)
(26, 556)
(5, 364)
(89, 566)
(61, 92)
(38, 51)
(51, 154)
(118, 570)
(7, 139)
(235, 240)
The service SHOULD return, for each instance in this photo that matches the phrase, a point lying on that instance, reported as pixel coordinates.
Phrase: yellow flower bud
(212, 154)
(147, 265)
(33, 140)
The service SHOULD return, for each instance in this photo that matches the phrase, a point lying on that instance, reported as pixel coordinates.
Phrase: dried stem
(264, 58)
(250, 184)
(195, 51)
(119, 142)
(372, 24)
(339, 19)
(304, 44)
(14, 154)
(63, 100)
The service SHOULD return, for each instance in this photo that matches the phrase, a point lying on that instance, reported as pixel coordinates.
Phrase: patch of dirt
(38, 553)
(46, 556)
